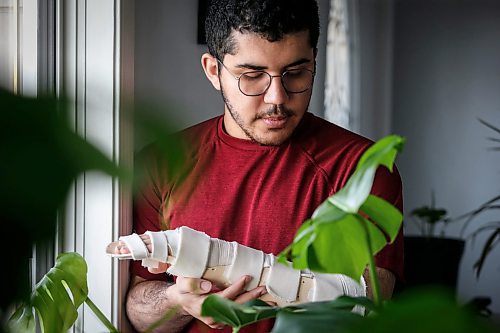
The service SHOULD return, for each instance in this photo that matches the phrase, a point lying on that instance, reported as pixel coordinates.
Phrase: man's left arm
(386, 280)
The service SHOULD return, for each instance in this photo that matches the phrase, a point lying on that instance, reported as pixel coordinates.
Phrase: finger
(236, 288)
(147, 241)
(162, 268)
(123, 249)
(193, 285)
(251, 294)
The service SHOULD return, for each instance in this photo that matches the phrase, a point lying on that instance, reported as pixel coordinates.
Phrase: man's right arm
(148, 301)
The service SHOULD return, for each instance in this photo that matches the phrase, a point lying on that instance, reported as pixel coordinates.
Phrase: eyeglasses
(255, 83)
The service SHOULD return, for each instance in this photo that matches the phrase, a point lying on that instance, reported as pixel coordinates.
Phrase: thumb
(193, 285)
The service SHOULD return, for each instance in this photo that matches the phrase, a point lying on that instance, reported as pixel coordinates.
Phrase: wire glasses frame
(256, 83)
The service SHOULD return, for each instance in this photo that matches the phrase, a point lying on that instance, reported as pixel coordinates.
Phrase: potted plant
(432, 258)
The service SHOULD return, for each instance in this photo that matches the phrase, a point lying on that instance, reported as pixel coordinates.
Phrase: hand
(123, 249)
(190, 293)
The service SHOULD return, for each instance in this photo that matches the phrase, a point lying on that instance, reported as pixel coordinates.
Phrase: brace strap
(138, 249)
(246, 261)
(159, 249)
(192, 254)
(330, 286)
(283, 281)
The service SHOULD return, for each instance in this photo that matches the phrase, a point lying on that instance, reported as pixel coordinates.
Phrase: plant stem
(101, 316)
(374, 278)
(371, 264)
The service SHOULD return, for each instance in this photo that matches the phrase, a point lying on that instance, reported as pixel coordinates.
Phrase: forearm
(147, 302)
(386, 280)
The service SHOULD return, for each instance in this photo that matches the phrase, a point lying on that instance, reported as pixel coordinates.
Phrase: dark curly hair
(271, 19)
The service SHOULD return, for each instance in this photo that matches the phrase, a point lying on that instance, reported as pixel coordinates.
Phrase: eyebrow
(261, 68)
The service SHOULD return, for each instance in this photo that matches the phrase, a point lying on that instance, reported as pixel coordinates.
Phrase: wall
(168, 71)
(446, 76)
(374, 40)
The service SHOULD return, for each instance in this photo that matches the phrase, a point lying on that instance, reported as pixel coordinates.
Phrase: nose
(276, 93)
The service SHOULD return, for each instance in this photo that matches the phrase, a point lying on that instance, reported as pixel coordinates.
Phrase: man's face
(270, 118)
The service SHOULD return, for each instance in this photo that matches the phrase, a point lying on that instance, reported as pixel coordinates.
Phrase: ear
(210, 66)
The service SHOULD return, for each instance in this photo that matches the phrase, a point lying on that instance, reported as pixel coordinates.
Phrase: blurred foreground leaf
(424, 310)
(41, 156)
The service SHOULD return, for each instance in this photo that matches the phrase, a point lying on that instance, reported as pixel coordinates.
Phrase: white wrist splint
(191, 253)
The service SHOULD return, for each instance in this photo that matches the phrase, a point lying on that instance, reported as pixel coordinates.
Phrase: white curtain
(338, 96)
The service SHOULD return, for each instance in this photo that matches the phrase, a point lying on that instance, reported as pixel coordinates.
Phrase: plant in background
(427, 218)
(492, 204)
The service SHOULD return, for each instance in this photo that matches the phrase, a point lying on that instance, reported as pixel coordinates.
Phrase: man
(259, 170)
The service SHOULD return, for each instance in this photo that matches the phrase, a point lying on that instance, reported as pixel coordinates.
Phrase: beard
(272, 111)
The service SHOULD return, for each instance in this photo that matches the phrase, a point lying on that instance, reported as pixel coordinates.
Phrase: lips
(275, 122)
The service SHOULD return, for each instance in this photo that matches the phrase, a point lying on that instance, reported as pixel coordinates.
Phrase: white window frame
(94, 70)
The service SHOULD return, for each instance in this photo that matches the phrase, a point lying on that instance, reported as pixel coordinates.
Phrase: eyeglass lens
(294, 81)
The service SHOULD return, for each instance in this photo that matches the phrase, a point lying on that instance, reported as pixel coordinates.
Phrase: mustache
(276, 111)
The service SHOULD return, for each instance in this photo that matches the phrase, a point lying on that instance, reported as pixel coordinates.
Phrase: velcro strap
(192, 255)
(246, 261)
(136, 246)
(283, 281)
(159, 245)
(326, 287)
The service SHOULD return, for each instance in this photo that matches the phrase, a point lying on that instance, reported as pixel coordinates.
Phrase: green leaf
(57, 310)
(487, 247)
(423, 310)
(303, 239)
(44, 157)
(22, 321)
(383, 152)
(317, 317)
(327, 212)
(387, 217)
(335, 240)
(341, 247)
(236, 315)
(358, 187)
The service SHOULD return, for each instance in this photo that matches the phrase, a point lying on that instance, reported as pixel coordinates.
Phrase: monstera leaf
(57, 297)
(357, 222)
(332, 316)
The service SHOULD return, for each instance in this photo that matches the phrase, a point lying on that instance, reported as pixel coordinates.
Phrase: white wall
(446, 75)
(167, 62)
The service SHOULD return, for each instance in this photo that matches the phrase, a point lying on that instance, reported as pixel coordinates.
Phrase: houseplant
(414, 310)
(422, 311)
(492, 204)
(432, 258)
